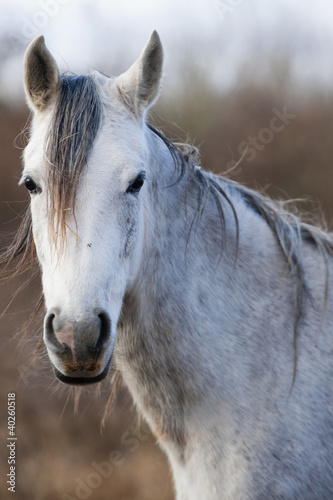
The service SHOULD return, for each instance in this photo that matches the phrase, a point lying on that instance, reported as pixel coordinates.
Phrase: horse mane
(287, 226)
(69, 141)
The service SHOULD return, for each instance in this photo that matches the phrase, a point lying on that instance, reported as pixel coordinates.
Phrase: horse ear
(41, 75)
(140, 85)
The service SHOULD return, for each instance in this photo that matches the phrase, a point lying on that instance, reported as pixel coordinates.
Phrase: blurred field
(57, 448)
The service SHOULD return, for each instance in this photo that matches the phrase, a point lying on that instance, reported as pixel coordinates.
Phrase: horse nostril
(49, 330)
(60, 339)
(105, 329)
(89, 335)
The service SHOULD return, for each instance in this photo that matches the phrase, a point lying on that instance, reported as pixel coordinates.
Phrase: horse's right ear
(41, 75)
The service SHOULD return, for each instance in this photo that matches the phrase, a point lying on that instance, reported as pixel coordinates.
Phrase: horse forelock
(73, 129)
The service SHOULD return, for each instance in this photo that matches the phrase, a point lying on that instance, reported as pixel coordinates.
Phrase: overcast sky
(217, 34)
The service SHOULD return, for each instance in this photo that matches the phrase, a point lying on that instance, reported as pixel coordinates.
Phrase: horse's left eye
(136, 185)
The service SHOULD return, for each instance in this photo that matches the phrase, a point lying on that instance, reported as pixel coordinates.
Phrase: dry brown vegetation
(56, 446)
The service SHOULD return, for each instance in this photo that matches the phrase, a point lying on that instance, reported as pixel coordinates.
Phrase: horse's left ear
(140, 85)
(41, 75)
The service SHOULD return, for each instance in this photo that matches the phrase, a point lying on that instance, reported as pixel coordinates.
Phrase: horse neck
(169, 343)
(188, 240)
(182, 235)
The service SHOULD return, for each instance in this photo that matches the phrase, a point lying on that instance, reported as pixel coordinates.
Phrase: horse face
(86, 275)
(89, 251)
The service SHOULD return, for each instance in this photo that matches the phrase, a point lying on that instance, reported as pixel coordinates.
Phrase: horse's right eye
(30, 185)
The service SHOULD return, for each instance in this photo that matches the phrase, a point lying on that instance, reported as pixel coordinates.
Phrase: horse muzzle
(81, 349)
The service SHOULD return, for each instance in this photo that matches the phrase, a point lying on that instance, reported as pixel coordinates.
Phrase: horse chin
(67, 379)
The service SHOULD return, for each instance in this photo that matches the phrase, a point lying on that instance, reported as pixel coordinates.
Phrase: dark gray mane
(70, 139)
(288, 228)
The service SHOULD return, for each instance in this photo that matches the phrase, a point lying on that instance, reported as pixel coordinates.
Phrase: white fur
(205, 345)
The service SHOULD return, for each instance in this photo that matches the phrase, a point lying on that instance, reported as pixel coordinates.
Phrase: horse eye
(30, 185)
(136, 185)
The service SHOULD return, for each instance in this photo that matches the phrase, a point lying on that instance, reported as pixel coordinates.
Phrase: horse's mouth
(82, 380)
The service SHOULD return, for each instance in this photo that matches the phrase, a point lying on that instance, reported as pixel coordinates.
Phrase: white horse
(222, 300)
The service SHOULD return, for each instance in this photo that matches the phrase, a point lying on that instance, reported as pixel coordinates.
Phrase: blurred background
(245, 80)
